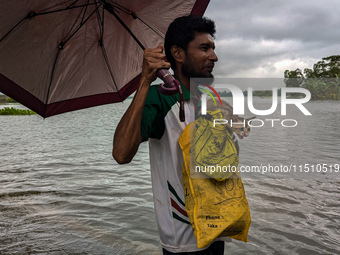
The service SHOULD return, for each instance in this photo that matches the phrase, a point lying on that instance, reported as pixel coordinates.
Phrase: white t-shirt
(162, 127)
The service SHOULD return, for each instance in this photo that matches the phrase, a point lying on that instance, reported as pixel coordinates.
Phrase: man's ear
(178, 53)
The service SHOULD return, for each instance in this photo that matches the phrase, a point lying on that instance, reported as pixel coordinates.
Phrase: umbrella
(60, 56)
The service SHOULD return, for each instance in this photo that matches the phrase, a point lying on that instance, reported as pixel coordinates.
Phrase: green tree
(322, 81)
(328, 67)
(293, 78)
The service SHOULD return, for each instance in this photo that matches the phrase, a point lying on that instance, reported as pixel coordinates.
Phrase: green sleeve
(155, 110)
(152, 124)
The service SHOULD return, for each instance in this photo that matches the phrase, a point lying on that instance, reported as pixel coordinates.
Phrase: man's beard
(188, 71)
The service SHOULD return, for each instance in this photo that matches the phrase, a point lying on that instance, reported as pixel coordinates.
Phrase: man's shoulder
(155, 97)
(154, 88)
(156, 108)
(153, 93)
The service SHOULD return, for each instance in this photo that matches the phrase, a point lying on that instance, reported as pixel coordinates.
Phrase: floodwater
(62, 193)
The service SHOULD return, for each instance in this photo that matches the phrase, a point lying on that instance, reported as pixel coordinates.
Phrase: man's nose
(213, 56)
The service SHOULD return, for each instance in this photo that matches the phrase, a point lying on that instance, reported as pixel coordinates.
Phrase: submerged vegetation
(323, 81)
(11, 110)
(15, 111)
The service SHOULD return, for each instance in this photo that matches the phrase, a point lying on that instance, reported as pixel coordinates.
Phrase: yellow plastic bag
(213, 151)
(215, 208)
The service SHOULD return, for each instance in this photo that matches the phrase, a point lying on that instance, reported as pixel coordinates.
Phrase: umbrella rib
(85, 11)
(64, 9)
(72, 3)
(111, 10)
(33, 14)
(13, 28)
(60, 4)
(80, 26)
(134, 15)
(122, 8)
(110, 70)
(101, 43)
(51, 79)
(75, 22)
(153, 29)
(100, 19)
(103, 15)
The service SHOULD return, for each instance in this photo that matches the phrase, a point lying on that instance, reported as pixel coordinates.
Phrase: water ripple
(62, 193)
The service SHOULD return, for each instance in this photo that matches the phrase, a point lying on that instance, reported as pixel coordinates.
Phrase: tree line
(323, 81)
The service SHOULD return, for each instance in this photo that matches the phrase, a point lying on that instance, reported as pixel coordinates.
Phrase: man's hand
(152, 61)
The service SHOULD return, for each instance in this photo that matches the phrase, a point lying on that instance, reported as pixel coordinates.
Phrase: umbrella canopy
(60, 56)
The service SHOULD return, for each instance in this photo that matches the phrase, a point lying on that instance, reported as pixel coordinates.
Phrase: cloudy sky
(262, 38)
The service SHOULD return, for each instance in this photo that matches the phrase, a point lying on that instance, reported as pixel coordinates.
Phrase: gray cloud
(262, 38)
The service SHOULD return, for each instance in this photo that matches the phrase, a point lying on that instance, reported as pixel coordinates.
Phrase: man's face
(200, 57)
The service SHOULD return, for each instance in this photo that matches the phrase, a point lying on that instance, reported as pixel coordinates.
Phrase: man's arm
(127, 136)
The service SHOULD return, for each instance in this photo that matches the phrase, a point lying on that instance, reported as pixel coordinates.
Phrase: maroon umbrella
(60, 56)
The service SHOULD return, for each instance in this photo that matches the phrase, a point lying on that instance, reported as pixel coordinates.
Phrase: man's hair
(182, 31)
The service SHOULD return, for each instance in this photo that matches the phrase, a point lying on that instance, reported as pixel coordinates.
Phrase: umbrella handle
(172, 87)
(170, 82)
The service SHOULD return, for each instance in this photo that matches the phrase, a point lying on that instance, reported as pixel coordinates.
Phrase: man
(189, 47)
